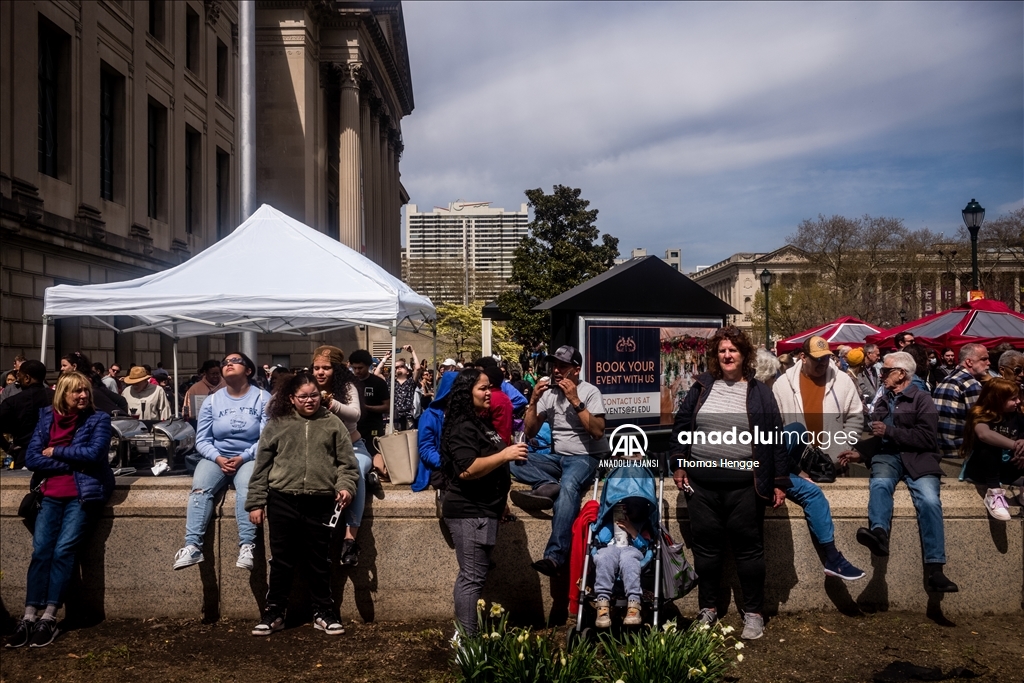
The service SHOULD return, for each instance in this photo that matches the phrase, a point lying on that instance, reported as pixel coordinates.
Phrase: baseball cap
(449, 363)
(817, 347)
(567, 354)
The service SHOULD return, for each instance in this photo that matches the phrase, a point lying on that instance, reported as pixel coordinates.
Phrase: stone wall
(407, 567)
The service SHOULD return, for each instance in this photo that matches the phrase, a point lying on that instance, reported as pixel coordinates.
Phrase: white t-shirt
(568, 436)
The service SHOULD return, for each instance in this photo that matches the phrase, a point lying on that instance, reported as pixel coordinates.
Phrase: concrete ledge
(407, 567)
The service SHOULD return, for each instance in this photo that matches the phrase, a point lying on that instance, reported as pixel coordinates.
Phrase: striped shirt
(724, 409)
(954, 396)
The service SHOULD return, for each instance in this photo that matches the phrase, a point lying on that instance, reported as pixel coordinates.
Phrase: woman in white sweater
(340, 392)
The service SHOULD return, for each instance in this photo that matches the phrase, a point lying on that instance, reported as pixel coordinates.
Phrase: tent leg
(394, 350)
(42, 350)
(177, 401)
(433, 365)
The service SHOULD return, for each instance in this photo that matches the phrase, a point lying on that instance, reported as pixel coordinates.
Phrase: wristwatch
(580, 407)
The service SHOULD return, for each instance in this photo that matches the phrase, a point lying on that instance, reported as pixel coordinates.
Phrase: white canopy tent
(273, 274)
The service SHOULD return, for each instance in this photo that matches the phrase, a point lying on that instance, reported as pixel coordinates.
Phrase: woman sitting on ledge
(69, 450)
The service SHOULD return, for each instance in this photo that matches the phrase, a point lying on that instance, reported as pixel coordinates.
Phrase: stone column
(365, 118)
(350, 161)
(373, 233)
(391, 257)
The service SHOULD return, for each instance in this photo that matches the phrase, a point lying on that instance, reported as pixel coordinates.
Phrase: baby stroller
(619, 483)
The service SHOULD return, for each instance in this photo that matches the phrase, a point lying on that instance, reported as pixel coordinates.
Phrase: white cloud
(641, 103)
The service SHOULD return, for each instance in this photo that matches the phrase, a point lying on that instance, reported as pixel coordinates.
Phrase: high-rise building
(671, 257)
(463, 252)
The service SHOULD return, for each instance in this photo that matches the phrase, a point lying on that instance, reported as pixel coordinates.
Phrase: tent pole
(433, 366)
(177, 401)
(42, 351)
(394, 350)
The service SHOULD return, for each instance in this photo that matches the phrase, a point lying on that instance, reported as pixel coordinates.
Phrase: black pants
(299, 540)
(734, 516)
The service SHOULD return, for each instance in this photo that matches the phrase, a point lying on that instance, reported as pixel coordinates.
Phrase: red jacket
(588, 515)
(501, 415)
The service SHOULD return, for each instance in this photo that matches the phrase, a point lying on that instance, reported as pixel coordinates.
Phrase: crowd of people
(300, 446)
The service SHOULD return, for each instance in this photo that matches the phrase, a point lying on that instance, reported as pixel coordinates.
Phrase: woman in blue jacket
(69, 449)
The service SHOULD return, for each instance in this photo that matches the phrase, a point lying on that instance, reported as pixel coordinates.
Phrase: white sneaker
(995, 503)
(753, 626)
(188, 556)
(245, 556)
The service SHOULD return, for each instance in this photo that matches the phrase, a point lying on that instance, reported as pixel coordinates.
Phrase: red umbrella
(846, 331)
(984, 321)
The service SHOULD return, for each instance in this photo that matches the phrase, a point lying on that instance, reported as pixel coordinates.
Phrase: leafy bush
(700, 653)
(499, 654)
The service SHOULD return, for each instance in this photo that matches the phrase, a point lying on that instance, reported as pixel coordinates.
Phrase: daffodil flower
(727, 630)
(739, 658)
(496, 609)
(563, 661)
(739, 646)
(494, 635)
(520, 656)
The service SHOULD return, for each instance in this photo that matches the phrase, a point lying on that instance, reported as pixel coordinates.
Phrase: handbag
(401, 454)
(818, 465)
(32, 503)
(677, 575)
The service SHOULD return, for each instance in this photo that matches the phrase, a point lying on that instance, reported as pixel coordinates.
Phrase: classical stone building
(119, 147)
(937, 281)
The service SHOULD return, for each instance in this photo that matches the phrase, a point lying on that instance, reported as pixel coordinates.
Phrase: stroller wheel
(572, 636)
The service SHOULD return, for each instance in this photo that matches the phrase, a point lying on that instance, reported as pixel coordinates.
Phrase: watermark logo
(625, 345)
(628, 441)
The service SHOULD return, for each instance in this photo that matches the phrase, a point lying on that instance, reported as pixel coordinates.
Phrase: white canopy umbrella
(272, 274)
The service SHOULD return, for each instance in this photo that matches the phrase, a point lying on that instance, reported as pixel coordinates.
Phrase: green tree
(458, 329)
(561, 252)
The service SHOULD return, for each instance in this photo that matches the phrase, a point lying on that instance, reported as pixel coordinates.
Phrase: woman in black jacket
(474, 461)
(728, 479)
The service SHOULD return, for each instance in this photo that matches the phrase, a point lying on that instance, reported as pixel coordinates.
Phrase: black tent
(645, 286)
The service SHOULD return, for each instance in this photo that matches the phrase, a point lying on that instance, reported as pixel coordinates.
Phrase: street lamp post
(974, 216)
(766, 282)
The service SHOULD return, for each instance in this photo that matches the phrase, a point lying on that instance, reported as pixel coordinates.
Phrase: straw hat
(137, 374)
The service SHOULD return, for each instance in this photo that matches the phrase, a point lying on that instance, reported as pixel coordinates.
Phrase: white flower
(520, 656)
(694, 672)
(620, 681)
(669, 626)
(739, 658)
(480, 604)
(739, 646)
(727, 629)
(494, 635)
(704, 627)
(563, 661)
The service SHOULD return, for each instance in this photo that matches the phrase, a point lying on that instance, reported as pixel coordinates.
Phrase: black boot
(937, 581)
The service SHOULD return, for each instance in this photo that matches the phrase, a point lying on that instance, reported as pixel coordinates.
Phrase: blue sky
(719, 127)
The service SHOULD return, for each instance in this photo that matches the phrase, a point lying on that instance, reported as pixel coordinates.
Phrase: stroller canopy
(630, 482)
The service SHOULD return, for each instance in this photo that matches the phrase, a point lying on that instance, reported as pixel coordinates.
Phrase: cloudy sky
(719, 127)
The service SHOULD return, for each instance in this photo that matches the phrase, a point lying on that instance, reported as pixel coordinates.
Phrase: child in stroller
(622, 546)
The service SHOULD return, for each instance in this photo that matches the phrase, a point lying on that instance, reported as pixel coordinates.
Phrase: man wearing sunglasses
(957, 394)
(904, 423)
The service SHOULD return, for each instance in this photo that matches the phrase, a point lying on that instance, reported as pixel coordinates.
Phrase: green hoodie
(303, 456)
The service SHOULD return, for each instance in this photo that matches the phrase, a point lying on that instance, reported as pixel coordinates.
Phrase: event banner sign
(644, 367)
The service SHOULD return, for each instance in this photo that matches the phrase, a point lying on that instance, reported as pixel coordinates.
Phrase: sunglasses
(886, 371)
(232, 361)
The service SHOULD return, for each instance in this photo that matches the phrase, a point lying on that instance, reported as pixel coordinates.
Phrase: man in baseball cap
(575, 411)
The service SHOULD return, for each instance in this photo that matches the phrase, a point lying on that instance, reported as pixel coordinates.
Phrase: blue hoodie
(429, 438)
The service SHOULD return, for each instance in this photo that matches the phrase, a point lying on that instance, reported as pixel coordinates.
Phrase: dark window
(157, 160)
(223, 193)
(111, 134)
(156, 19)
(193, 166)
(53, 95)
(332, 216)
(191, 40)
(222, 70)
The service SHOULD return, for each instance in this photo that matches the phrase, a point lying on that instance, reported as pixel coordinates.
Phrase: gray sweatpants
(611, 560)
(474, 541)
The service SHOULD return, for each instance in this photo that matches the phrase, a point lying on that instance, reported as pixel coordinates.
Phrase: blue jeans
(208, 481)
(60, 527)
(806, 493)
(612, 560)
(886, 471)
(574, 473)
(354, 512)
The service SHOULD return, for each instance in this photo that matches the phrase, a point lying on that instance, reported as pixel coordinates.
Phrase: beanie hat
(855, 357)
